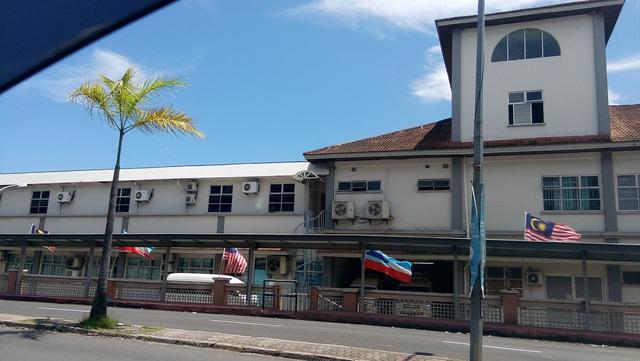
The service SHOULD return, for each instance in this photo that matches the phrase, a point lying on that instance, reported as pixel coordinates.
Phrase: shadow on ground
(31, 334)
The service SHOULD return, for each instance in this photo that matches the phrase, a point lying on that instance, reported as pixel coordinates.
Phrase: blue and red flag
(378, 261)
(537, 229)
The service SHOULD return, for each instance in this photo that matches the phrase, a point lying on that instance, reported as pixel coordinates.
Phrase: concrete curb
(296, 355)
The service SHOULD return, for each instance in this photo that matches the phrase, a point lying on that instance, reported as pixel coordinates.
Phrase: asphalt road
(30, 345)
(443, 344)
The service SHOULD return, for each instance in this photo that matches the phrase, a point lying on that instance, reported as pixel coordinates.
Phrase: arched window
(526, 44)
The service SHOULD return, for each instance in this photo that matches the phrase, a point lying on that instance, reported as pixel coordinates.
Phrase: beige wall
(567, 81)
(626, 163)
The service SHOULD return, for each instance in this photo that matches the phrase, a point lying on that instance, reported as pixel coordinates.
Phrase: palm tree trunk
(99, 307)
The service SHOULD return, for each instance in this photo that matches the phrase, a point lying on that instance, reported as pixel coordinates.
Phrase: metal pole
(475, 349)
(585, 283)
(23, 260)
(364, 254)
(250, 274)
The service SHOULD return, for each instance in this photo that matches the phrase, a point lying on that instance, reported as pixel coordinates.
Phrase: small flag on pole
(236, 263)
(378, 261)
(141, 251)
(36, 230)
(536, 229)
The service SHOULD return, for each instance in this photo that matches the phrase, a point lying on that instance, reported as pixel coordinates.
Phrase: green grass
(104, 323)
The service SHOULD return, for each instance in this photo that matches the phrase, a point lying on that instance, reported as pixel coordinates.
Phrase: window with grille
(572, 288)
(629, 192)
(360, 186)
(526, 107)
(576, 193)
(503, 278)
(425, 185)
(123, 200)
(195, 265)
(282, 197)
(144, 268)
(39, 202)
(53, 265)
(13, 262)
(595, 288)
(220, 198)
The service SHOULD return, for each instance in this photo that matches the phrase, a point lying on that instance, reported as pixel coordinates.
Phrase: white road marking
(62, 309)
(246, 323)
(496, 347)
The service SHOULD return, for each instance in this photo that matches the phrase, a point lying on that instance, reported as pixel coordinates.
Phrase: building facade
(554, 147)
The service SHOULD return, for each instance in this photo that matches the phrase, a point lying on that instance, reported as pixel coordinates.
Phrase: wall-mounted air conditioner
(190, 199)
(378, 210)
(277, 265)
(64, 197)
(191, 187)
(534, 278)
(250, 187)
(343, 210)
(142, 195)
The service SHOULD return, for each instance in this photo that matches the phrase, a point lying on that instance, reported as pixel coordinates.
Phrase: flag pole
(475, 351)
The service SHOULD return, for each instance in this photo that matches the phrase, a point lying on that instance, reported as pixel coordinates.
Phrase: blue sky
(268, 80)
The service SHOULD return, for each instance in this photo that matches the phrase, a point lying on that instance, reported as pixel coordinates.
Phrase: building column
(330, 189)
(121, 261)
(37, 259)
(87, 272)
(456, 301)
(362, 278)
(609, 206)
(165, 273)
(250, 275)
(23, 260)
(600, 56)
(587, 300)
(457, 195)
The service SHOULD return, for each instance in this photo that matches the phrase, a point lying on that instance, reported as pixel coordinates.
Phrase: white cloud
(631, 63)
(614, 98)
(433, 85)
(57, 82)
(413, 15)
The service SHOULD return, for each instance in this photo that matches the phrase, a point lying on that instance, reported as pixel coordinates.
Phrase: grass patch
(103, 323)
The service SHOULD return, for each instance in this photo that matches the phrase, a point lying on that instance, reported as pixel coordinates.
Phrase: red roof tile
(625, 126)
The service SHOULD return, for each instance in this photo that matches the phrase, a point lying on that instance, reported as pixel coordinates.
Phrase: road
(31, 345)
(452, 345)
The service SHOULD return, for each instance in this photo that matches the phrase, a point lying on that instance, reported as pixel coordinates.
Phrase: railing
(609, 317)
(199, 293)
(150, 291)
(330, 300)
(56, 286)
(312, 224)
(237, 296)
(4, 283)
(428, 305)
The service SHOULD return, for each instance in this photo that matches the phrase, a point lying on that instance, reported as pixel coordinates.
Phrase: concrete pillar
(37, 259)
(510, 306)
(12, 282)
(121, 262)
(111, 290)
(23, 260)
(220, 292)
(350, 300)
(362, 278)
(313, 298)
(165, 273)
(87, 272)
(250, 275)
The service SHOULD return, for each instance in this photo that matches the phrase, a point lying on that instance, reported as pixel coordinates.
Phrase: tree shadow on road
(31, 334)
(416, 355)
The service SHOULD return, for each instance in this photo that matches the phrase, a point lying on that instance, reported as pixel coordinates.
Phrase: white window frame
(637, 187)
(433, 180)
(365, 181)
(525, 101)
(579, 187)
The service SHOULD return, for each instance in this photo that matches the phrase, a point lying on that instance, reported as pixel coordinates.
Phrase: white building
(554, 148)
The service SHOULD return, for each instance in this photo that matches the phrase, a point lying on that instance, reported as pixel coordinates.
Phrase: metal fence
(330, 300)
(573, 315)
(4, 283)
(56, 286)
(189, 293)
(139, 291)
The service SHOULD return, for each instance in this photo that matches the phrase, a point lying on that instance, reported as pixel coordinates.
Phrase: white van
(201, 278)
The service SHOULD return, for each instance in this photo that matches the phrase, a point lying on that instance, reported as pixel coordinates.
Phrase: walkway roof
(343, 242)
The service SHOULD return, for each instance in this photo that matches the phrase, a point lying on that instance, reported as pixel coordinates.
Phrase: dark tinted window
(500, 52)
(220, 198)
(344, 186)
(516, 45)
(534, 43)
(551, 46)
(537, 113)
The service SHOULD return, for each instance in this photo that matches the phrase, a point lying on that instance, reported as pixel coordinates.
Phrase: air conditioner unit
(64, 197)
(534, 278)
(142, 195)
(277, 265)
(378, 209)
(191, 187)
(343, 210)
(73, 263)
(250, 187)
(190, 199)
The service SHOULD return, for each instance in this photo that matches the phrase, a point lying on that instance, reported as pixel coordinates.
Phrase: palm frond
(166, 120)
(94, 97)
(153, 86)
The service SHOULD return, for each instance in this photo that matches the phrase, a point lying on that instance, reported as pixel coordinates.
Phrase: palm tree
(125, 106)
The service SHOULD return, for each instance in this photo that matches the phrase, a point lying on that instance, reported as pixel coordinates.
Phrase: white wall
(626, 163)
(410, 209)
(567, 81)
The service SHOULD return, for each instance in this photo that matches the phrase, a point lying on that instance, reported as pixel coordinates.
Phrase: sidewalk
(258, 345)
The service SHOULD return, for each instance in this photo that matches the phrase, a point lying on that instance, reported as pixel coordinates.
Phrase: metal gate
(284, 295)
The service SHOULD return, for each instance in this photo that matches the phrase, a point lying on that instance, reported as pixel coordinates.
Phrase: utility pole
(477, 221)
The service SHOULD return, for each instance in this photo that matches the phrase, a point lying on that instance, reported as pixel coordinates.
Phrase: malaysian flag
(236, 263)
(35, 230)
(536, 229)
